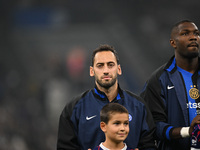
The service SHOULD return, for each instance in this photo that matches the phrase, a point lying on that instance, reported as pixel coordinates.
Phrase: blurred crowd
(44, 59)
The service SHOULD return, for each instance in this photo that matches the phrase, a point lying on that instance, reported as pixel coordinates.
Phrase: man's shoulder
(78, 98)
(74, 101)
(131, 94)
(82, 95)
(158, 71)
(134, 98)
(158, 74)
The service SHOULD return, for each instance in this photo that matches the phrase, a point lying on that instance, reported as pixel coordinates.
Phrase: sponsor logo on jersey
(193, 105)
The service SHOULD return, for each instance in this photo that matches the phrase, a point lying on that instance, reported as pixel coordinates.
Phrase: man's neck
(111, 93)
(190, 65)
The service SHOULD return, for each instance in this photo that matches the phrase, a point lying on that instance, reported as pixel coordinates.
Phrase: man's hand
(195, 121)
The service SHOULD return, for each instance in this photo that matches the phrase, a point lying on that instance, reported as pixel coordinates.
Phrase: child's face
(117, 128)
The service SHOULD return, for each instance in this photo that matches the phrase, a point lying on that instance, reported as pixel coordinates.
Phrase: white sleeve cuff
(185, 132)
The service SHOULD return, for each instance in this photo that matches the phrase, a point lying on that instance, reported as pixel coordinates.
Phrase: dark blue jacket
(79, 125)
(166, 96)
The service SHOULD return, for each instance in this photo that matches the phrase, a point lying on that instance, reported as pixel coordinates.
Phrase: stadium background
(45, 52)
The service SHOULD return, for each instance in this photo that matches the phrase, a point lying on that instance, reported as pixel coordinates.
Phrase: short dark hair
(102, 48)
(175, 26)
(109, 109)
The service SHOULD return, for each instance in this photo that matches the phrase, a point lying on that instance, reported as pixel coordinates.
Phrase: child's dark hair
(111, 108)
(102, 48)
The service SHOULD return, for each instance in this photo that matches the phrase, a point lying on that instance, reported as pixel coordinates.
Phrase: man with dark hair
(79, 121)
(172, 91)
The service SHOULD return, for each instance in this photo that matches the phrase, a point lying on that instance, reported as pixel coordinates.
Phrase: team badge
(194, 93)
(130, 117)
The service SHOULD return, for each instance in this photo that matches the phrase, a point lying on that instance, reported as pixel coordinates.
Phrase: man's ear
(119, 70)
(103, 126)
(173, 43)
(91, 71)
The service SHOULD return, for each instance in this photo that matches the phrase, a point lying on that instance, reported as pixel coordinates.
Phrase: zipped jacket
(79, 124)
(166, 96)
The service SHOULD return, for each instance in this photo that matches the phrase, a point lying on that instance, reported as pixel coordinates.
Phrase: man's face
(186, 40)
(105, 69)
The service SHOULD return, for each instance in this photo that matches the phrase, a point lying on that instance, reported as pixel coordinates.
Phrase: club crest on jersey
(130, 117)
(194, 93)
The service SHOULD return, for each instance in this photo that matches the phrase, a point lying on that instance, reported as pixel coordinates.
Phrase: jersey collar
(101, 95)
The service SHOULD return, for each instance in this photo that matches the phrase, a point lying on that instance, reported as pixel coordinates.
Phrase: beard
(108, 84)
(191, 55)
(188, 52)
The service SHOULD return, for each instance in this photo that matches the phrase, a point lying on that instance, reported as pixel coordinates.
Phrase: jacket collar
(102, 96)
(172, 67)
